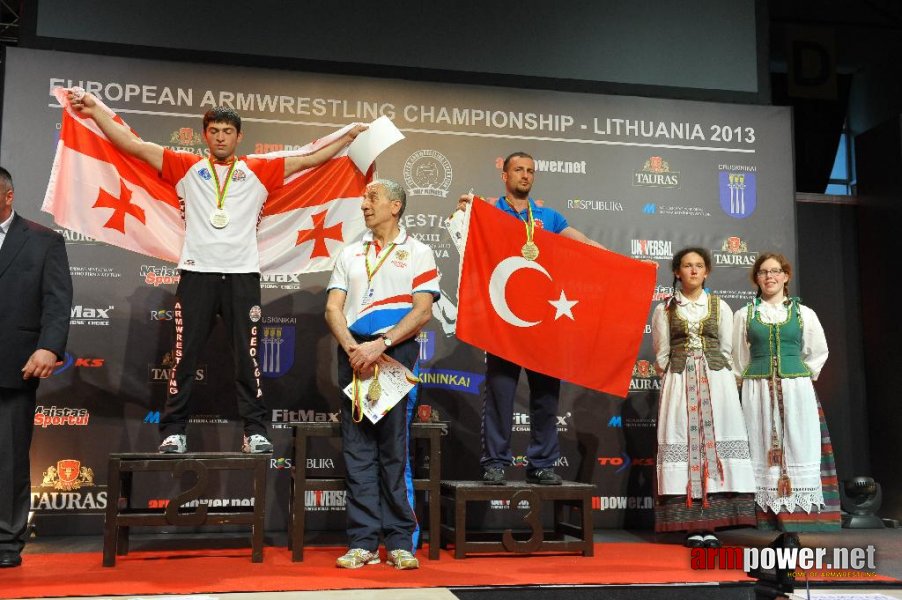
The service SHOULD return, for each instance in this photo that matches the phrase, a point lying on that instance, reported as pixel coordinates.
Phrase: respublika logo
(656, 173)
(277, 339)
(597, 205)
(738, 192)
(427, 173)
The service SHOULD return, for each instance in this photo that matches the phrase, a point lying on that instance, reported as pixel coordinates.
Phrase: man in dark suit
(35, 303)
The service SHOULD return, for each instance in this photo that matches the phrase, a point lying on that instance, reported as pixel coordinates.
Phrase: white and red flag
(576, 312)
(100, 192)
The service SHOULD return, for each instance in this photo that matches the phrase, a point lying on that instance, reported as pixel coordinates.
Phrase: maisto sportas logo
(734, 252)
(48, 416)
(156, 275)
(427, 173)
(656, 173)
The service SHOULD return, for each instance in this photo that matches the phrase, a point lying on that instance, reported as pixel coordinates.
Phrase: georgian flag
(98, 191)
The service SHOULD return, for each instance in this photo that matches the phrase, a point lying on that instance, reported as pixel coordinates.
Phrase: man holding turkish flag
(550, 304)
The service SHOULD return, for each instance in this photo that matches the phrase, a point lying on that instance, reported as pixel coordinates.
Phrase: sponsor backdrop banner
(644, 177)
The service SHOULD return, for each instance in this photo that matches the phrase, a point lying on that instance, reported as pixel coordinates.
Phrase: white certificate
(381, 134)
(396, 381)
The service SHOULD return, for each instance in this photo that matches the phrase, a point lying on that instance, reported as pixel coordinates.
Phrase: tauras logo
(73, 237)
(74, 501)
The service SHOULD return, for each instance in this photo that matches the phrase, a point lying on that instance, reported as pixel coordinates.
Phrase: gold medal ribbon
(221, 190)
(371, 271)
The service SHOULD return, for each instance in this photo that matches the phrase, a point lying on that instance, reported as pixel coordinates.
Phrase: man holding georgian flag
(154, 200)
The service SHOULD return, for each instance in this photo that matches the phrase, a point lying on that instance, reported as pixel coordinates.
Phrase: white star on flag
(563, 306)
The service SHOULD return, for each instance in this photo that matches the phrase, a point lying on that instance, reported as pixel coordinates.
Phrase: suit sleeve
(56, 298)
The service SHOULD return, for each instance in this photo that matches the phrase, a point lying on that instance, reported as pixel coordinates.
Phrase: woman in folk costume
(704, 476)
(779, 348)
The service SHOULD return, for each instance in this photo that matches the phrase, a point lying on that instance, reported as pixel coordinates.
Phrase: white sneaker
(356, 558)
(174, 444)
(402, 559)
(256, 444)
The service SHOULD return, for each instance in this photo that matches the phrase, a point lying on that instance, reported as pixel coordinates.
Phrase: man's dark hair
(6, 180)
(515, 155)
(222, 114)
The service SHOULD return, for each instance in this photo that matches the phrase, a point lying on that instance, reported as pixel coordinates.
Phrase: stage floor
(627, 565)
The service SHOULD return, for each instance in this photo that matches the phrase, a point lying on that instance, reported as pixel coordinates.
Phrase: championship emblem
(427, 173)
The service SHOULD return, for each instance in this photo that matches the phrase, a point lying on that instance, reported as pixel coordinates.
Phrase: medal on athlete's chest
(219, 218)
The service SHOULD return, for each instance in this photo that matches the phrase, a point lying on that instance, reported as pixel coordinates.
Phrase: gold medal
(530, 251)
(219, 218)
(375, 390)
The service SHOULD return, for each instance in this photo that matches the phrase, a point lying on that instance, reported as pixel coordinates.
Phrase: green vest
(679, 338)
(782, 341)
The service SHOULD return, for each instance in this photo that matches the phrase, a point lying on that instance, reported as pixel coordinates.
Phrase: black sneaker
(543, 477)
(493, 476)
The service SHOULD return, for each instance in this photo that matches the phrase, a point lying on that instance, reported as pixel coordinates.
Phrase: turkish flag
(100, 192)
(576, 313)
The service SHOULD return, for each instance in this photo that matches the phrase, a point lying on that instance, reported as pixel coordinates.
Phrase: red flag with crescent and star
(100, 192)
(576, 312)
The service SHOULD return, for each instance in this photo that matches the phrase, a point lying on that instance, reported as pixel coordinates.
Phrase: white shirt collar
(400, 239)
(702, 299)
(4, 226)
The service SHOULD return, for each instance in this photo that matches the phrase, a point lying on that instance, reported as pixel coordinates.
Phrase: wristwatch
(386, 340)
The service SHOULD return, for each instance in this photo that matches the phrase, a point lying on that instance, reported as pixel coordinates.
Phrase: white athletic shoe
(256, 444)
(174, 444)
